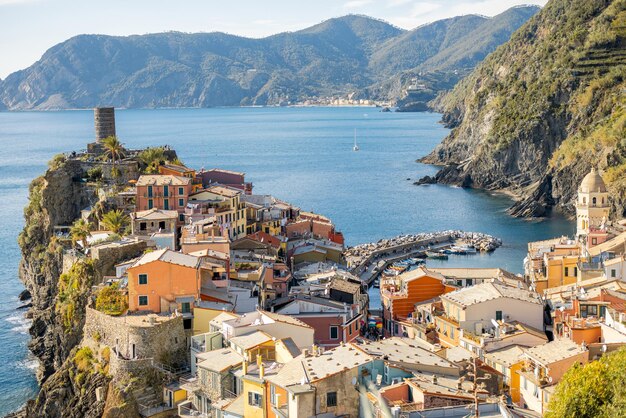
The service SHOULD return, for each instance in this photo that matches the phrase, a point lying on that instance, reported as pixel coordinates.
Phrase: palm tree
(152, 158)
(80, 231)
(114, 150)
(115, 221)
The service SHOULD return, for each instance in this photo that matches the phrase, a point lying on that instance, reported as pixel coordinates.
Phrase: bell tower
(592, 206)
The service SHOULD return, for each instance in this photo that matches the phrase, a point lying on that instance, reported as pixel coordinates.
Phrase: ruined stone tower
(104, 122)
(104, 118)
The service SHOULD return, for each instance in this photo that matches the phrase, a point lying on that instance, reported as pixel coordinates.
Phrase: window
(181, 202)
(181, 190)
(181, 217)
(594, 241)
(166, 191)
(575, 271)
(613, 273)
(593, 201)
(187, 323)
(143, 300)
(331, 398)
(166, 204)
(498, 315)
(255, 399)
(149, 191)
(566, 271)
(142, 226)
(150, 204)
(185, 307)
(162, 225)
(143, 279)
(334, 333)
(273, 399)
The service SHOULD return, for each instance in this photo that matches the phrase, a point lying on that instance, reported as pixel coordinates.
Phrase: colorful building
(165, 192)
(399, 296)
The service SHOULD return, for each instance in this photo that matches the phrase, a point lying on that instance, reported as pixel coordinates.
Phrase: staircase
(149, 401)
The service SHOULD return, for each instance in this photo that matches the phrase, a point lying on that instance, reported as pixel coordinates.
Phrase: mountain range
(545, 107)
(352, 54)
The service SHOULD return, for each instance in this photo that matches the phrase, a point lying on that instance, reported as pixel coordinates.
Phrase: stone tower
(104, 118)
(592, 206)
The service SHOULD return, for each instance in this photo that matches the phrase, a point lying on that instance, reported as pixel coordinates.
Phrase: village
(212, 301)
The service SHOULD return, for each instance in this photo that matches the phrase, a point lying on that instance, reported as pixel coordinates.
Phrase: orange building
(164, 281)
(400, 294)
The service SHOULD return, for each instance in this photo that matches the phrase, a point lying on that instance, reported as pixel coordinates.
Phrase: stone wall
(129, 170)
(158, 337)
(106, 256)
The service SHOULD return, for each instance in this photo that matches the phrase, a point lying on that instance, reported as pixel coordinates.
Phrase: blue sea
(302, 155)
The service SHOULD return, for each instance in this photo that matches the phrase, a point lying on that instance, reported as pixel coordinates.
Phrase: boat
(436, 255)
(463, 249)
(355, 147)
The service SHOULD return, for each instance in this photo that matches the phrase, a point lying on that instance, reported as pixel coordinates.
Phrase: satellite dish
(562, 308)
(354, 380)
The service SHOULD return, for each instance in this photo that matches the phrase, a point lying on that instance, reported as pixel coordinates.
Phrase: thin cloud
(355, 4)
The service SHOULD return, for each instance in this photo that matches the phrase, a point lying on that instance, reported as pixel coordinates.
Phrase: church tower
(592, 206)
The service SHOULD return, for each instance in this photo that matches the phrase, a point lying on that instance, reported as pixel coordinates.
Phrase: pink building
(228, 178)
(164, 192)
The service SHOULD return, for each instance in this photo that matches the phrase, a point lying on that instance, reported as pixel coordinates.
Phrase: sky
(29, 27)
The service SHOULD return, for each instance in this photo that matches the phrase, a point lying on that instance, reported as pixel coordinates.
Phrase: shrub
(111, 300)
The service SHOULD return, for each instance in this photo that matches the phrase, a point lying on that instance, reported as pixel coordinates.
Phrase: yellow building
(224, 203)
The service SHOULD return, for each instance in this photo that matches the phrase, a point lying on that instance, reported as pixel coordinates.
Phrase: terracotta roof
(220, 360)
(489, 291)
(168, 256)
(219, 170)
(264, 237)
(162, 180)
(334, 361)
(418, 273)
(177, 167)
(155, 214)
(223, 191)
(345, 286)
(553, 351)
(251, 340)
(285, 318)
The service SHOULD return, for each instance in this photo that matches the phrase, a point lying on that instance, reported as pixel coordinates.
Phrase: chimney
(259, 361)
(315, 350)
(261, 371)
(305, 352)
(104, 120)
(459, 384)
(245, 367)
(434, 379)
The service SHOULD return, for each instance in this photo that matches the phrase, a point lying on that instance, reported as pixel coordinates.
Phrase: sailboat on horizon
(355, 147)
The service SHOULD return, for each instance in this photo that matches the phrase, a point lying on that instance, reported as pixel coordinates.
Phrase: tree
(593, 390)
(114, 150)
(152, 158)
(115, 221)
(80, 231)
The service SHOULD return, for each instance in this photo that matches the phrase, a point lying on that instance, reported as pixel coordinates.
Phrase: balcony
(187, 410)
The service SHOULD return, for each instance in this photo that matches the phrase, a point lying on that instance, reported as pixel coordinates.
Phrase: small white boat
(355, 147)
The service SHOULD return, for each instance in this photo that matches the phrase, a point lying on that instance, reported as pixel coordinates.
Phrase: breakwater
(361, 258)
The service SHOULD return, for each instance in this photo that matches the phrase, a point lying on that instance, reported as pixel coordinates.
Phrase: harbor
(368, 261)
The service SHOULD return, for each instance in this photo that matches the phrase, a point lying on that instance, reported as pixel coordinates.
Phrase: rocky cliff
(542, 109)
(55, 199)
(74, 369)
